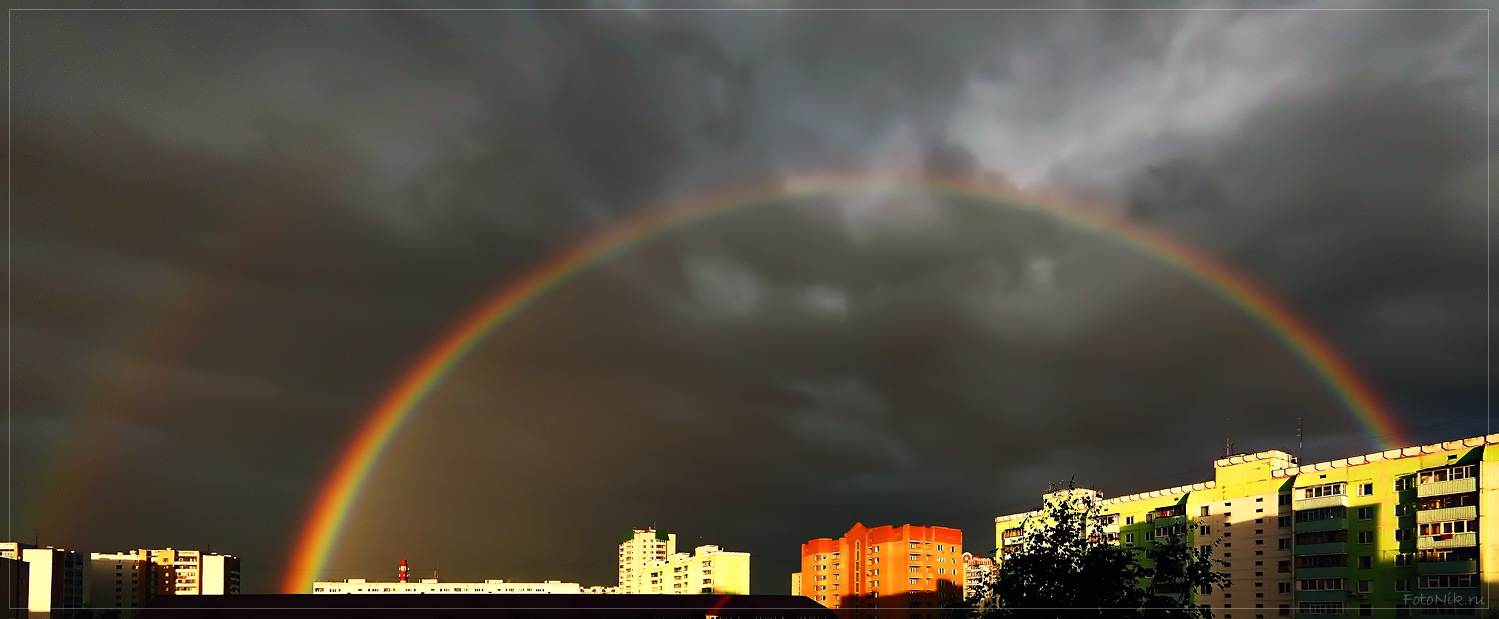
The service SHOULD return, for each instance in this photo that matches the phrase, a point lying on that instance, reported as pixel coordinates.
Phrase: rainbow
(332, 504)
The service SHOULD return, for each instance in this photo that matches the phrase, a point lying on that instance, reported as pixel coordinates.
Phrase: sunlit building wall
(639, 548)
(431, 585)
(1391, 534)
(55, 579)
(709, 569)
(977, 571)
(904, 567)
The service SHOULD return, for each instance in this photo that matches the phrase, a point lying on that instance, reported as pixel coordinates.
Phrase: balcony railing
(1439, 488)
(1455, 540)
(1465, 512)
(1469, 566)
(1325, 548)
(1322, 501)
(1329, 524)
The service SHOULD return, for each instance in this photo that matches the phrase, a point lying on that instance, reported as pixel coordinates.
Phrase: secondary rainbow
(332, 504)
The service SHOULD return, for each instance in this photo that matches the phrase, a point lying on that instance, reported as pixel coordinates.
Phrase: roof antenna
(1227, 450)
(1299, 438)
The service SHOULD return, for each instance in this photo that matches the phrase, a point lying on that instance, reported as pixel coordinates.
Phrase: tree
(1067, 561)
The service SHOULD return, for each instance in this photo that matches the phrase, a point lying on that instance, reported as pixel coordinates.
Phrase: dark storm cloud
(234, 231)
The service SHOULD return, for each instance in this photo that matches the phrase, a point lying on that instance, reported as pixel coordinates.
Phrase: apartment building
(431, 585)
(127, 580)
(649, 563)
(1393, 534)
(904, 571)
(977, 571)
(54, 576)
(639, 548)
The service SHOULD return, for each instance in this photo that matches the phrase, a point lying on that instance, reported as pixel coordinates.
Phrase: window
(1366, 537)
(1129, 538)
(1129, 520)
(1404, 534)
(1284, 499)
(1402, 585)
(1202, 530)
(1282, 587)
(1366, 513)
(1321, 608)
(1203, 511)
(1283, 543)
(1283, 521)
(1449, 474)
(1283, 567)
(1366, 489)
(1365, 562)
(1285, 610)
(1403, 559)
(1365, 610)
(1402, 510)
(1333, 489)
(1365, 586)
(1402, 611)
(1448, 581)
(1405, 483)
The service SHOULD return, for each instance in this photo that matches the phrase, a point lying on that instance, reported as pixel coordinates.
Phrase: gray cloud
(234, 231)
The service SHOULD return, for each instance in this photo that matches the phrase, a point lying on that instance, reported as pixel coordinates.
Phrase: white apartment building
(431, 585)
(56, 576)
(129, 579)
(637, 550)
(709, 569)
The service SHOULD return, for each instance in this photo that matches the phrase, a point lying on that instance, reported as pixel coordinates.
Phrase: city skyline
(330, 289)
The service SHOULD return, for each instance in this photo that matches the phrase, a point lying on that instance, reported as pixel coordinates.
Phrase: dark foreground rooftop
(487, 606)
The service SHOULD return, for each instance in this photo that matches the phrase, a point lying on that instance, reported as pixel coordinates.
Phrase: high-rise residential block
(977, 572)
(639, 548)
(55, 577)
(904, 569)
(1399, 533)
(128, 580)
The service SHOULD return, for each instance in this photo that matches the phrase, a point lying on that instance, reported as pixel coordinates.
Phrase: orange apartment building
(906, 571)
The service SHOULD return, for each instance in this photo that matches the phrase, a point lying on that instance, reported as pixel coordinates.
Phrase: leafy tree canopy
(1067, 566)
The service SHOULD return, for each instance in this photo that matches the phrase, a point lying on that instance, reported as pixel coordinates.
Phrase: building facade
(55, 577)
(639, 548)
(898, 571)
(977, 571)
(649, 563)
(431, 585)
(709, 569)
(128, 580)
(1398, 533)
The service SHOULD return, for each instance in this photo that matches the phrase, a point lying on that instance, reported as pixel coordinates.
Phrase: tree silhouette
(1067, 566)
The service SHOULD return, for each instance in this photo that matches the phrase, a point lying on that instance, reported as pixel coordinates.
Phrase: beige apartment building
(649, 563)
(127, 580)
(1400, 533)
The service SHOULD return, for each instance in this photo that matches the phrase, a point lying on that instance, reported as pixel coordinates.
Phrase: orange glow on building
(903, 571)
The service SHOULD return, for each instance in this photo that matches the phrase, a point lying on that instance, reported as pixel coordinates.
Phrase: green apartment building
(1407, 532)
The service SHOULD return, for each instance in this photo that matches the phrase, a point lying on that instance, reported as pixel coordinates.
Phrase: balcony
(1327, 548)
(1331, 524)
(1321, 596)
(1469, 566)
(1439, 488)
(1322, 501)
(1322, 572)
(1455, 540)
(1466, 512)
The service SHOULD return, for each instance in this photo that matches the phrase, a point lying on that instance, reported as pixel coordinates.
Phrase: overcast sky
(233, 232)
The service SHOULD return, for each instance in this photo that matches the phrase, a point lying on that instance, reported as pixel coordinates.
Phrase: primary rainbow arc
(333, 503)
